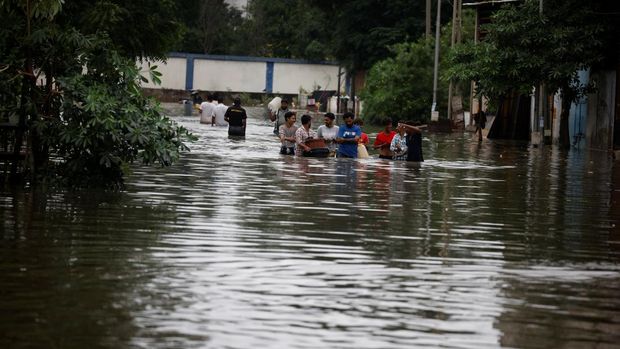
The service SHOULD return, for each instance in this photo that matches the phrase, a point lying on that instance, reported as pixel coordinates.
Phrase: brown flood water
(482, 246)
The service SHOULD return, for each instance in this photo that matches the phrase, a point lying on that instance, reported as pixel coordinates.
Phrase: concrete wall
(289, 78)
(243, 74)
(173, 73)
(212, 75)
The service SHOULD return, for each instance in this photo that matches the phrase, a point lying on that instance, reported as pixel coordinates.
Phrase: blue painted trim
(189, 74)
(269, 77)
(246, 58)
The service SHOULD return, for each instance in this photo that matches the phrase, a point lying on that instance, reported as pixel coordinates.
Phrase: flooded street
(236, 246)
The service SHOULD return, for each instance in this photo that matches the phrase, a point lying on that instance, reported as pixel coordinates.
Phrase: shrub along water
(78, 91)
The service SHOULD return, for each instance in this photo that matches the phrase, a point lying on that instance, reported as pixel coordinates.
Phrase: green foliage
(210, 26)
(78, 92)
(523, 49)
(107, 124)
(288, 29)
(137, 28)
(356, 33)
(363, 31)
(401, 87)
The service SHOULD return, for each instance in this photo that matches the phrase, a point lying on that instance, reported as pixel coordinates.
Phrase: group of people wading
(344, 141)
(347, 140)
(215, 112)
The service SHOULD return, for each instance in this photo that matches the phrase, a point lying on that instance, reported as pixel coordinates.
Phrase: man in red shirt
(383, 140)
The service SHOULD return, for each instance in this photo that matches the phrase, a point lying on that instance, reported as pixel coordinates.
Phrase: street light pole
(456, 37)
(428, 19)
(436, 71)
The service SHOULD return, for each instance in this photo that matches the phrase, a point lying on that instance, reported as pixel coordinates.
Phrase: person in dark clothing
(481, 122)
(236, 118)
(414, 141)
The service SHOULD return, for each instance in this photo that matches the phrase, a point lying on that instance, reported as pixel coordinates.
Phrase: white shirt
(219, 112)
(206, 112)
(329, 134)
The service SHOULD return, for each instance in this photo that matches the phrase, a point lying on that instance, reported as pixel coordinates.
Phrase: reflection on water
(238, 247)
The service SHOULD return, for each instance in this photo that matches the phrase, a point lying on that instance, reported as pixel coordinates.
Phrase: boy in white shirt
(329, 132)
(206, 110)
(219, 112)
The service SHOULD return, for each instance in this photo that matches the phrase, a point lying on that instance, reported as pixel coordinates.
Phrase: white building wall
(244, 74)
(290, 77)
(214, 75)
(173, 73)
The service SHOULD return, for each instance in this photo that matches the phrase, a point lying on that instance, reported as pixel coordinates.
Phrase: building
(183, 72)
(594, 120)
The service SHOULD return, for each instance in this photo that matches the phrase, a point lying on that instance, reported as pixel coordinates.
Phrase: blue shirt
(348, 149)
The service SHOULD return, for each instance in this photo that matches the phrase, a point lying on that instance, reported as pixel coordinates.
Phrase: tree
(401, 87)
(524, 49)
(210, 26)
(364, 30)
(140, 28)
(76, 89)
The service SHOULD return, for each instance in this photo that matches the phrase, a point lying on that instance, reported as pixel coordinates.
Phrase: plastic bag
(362, 152)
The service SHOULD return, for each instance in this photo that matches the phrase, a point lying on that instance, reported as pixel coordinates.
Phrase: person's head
(220, 100)
(359, 122)
(237, 101)
(209, 97)
(284, 104)
(329, 119)
(290, 118)
(306, 119)
(387, 124)
(348, 118)
(400, 129)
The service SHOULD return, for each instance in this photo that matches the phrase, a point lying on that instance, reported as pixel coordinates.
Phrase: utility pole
(456, 37)
(539, 123)
(428, 19)
(436, 70)
(338, 90)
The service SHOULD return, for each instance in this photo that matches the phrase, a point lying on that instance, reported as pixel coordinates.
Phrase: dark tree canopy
(356, 33)
(524, 49)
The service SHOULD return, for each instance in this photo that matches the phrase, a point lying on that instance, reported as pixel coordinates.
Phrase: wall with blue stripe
(245, 74)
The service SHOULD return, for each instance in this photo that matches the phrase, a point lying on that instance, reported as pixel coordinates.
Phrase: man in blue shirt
(348, 137)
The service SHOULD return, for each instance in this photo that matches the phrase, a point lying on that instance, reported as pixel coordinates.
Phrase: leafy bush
(78, 93)
(401, 87)
(107, 124)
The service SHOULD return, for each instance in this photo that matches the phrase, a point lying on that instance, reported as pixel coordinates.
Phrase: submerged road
(483, 246)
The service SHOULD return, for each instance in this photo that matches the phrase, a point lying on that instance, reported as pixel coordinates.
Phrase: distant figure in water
(399, 143)
(304, 133)
(384, 139)
(207, 109)
(329, 133)
(278, 116)
(287, 134)
(236, 118)
(348, 137)
(219, 112)
(481, 122)
(414, 140)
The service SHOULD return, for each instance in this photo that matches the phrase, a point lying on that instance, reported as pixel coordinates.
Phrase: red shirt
(382, 138)
(364, 139)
